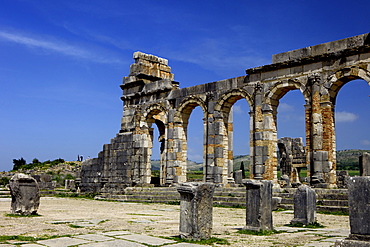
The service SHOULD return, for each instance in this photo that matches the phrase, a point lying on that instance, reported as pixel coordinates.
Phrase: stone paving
(133, 224)
(128, 239)
(112, 238)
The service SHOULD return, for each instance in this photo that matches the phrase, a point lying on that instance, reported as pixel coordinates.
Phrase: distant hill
(194, 166)
(346, 160)
(349, 159)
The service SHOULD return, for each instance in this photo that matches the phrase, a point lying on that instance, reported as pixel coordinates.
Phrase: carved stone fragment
(304, 205)
(196, 210)
(25, 194)
(359, 212)
(258, 205)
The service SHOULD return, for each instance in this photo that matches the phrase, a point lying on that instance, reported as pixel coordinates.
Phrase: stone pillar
(176, 171)
(365, 164)
(25, 194)
(359, 212)
(322, 135)
(258, 205)
(230, 152)
(196, 210)
(304, 205)
(264, 138)
(212, 155)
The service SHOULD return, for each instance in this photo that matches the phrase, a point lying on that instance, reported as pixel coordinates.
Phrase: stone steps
(330, 200)
(4, 193)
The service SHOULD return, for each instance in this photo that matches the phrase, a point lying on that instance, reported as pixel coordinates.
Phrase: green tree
(243, 169)
(18, 164)
(35, 161)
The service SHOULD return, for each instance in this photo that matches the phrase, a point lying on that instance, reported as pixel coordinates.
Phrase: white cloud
(284, 107)
(345, 117)
(238, 109)
(365, 142)
(54, 46)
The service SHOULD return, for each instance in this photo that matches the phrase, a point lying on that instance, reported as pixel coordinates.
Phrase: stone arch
(154, 111)
(272, 100)
(227, 100)
(224, 121)
(334, 84)
(179, 138)
(186, 107)
(273, 96)
(156, 114)
(337, 80)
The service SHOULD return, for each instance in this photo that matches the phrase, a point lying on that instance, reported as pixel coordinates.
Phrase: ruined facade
(152, 98)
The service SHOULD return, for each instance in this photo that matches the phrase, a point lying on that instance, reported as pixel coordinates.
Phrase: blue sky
(61, 64)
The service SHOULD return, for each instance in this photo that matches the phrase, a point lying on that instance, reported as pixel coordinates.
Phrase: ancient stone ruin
(258, 205)
(304, 205)
(25, 194)
(292, 158)
(359, 213)
(153, 99)
(364, 161)
(196, 210)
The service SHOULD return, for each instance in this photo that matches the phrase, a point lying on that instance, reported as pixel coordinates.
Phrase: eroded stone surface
(258, 205)
(196, 210)
(25, 194)
(304, 205)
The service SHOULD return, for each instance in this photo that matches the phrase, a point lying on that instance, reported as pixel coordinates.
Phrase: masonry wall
(152, 99)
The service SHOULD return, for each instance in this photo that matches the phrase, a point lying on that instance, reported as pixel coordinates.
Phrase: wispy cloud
(284, 107)
(223, 57)
(366, 142)
(55, 46)
(345, 117)
(238, 109)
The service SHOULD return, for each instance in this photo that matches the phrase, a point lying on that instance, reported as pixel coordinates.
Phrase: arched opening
(188, 140)
(241, 137)
(352, 127)
(291, 134)
(195, 145)
(153, 145)
(157, 134)
(232, 136)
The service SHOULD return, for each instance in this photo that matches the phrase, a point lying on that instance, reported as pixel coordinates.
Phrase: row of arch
(158, 114)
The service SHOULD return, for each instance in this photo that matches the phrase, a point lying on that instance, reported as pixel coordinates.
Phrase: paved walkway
(111, 239)
(128, 239)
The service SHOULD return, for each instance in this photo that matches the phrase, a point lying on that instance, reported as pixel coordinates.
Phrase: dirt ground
(64, 216)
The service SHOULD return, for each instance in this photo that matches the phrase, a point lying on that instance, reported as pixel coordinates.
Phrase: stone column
(259, 148)
(365, 164)
(212, 169)
(196, 210)
(258, 205)
(322, 135)
(230, 152)
(359, 212)
(304, 205)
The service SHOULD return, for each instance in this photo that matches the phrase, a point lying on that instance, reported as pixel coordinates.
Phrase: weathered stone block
(304, 205)
(196, 210)
(365, 164)
(25, 194)
(258, 204)
(238, 177)
(358, 202)
(359, 213)
(275, 202)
